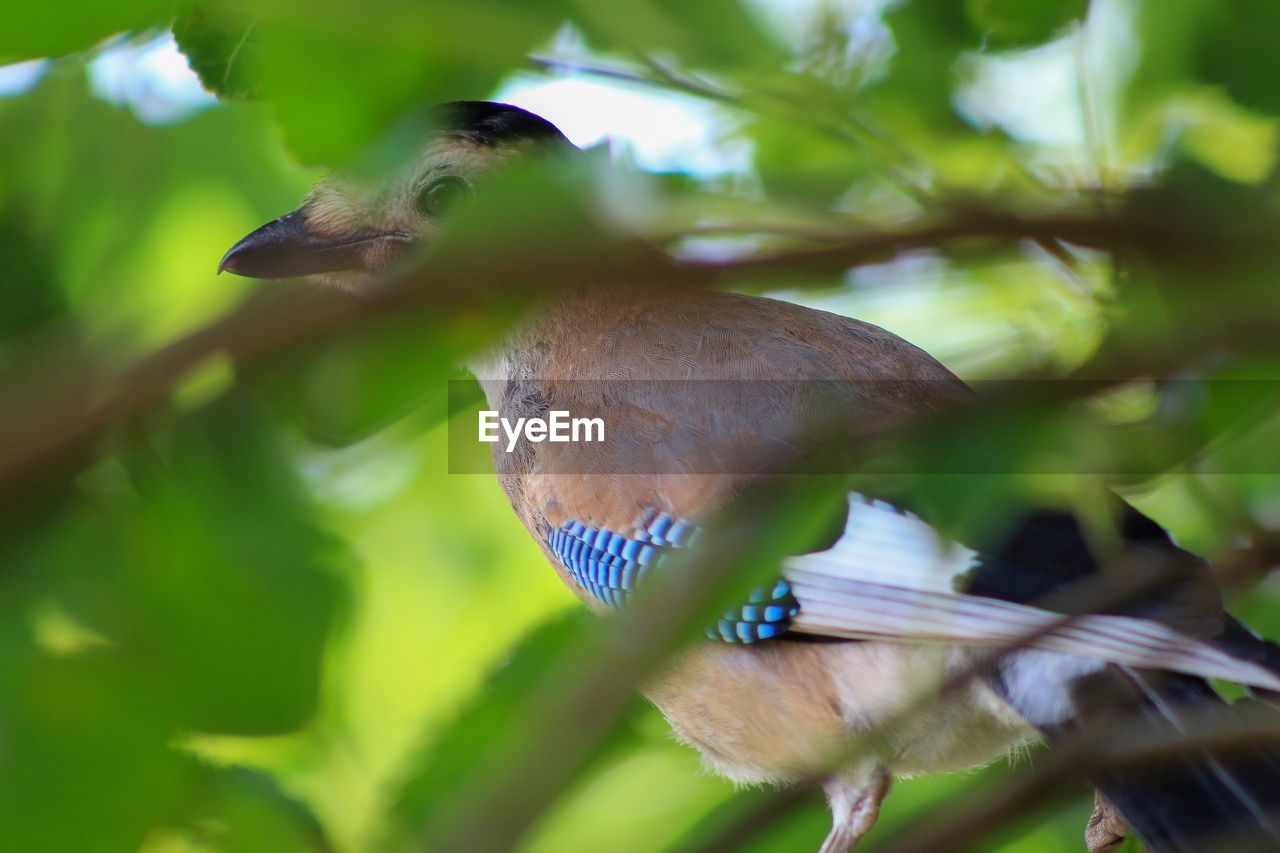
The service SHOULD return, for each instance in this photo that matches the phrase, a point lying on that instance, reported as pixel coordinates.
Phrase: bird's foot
(855, 806)
(1105, 830)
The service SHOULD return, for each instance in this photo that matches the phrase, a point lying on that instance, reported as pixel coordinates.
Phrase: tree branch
(84, 406)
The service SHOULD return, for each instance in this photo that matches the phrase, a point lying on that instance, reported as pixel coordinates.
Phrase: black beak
(286, 248)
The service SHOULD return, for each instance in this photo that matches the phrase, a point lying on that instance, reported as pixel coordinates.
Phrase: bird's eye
(440, 195)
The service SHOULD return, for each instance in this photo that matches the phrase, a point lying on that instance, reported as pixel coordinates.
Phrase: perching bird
(898, 606)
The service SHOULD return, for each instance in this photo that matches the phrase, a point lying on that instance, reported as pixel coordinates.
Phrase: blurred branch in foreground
(58, 421)
(975, 816)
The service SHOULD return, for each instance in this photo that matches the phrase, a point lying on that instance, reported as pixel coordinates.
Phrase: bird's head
(346, 232)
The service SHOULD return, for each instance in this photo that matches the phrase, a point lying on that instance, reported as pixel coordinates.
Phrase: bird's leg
(855, 804)
(1105, 830)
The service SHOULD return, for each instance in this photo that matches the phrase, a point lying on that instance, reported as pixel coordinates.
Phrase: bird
(699, 389)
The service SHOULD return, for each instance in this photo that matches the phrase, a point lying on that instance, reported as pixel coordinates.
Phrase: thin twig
(1088, 110)
(574, 66)
(1115, 744)
(847, 126)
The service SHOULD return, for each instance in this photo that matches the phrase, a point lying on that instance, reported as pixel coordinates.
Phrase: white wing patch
(890, 577)
(883, 544)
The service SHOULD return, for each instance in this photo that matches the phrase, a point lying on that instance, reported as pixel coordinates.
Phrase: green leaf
(1238, 51)
(723, 31)
(339, 75)
(1017, 23)
(496, 707)
(718, 33)
(87, 751)
(929, 35)
(209, 575)
(347, 388)
(220, 45)
(240, 811)
(32, 30)
(797, 161)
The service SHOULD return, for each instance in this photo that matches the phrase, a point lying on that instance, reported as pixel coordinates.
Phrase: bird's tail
(1189, 788)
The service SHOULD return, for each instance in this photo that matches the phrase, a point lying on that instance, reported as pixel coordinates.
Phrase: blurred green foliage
(261, 615)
